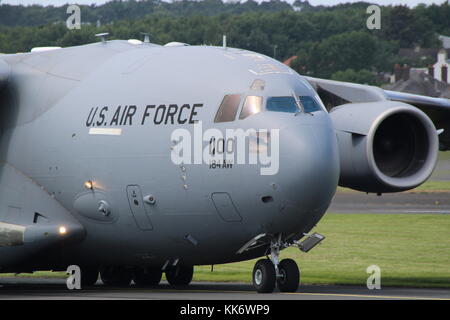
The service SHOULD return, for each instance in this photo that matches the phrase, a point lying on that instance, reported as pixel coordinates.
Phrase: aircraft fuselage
(93, 125)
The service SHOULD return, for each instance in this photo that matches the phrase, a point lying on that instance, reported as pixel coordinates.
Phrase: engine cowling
(384, 146)
(4, 72)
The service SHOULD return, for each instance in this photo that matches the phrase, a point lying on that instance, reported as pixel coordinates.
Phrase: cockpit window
(309, 104)
(258, 84)
(282, 104)
(228, 108)
(252, 105)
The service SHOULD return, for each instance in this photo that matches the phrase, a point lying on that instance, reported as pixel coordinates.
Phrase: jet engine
(4, 72)
(384, 146)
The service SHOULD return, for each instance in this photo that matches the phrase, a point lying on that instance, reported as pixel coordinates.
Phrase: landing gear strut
(268, 273)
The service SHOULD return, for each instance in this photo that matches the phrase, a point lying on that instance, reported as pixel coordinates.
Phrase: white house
(440, 70)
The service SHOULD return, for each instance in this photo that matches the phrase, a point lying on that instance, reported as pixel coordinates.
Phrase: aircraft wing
(335, 93)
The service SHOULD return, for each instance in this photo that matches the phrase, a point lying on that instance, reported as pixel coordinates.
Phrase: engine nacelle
(4, 72)
(384, 146)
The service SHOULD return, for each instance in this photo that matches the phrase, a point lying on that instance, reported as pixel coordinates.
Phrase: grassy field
(411, 250)
(428, 186)
(444, 155)
(432, 186)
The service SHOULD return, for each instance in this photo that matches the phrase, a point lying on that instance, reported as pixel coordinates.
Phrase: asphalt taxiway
(45, 289)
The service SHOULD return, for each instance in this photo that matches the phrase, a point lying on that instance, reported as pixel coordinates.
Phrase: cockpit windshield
(282, 104)
(228, 108)
(254, 104)
(309, 104)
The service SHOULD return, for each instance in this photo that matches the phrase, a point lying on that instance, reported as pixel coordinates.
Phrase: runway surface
(37, 289)
(405, 202)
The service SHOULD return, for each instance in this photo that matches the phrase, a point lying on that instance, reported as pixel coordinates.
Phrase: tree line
(330, 42)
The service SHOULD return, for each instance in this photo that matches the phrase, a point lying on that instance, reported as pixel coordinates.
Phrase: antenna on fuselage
(146, 37)
(102, 36)
(224, 42)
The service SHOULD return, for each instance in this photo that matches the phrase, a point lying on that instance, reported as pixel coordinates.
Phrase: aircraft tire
(145, 277)
(290, 276)
(264, 277)
(180, 276)
(116, 276)
(89, 276)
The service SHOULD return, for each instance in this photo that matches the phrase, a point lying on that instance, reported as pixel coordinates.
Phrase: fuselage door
(225, 207)
(137, 207)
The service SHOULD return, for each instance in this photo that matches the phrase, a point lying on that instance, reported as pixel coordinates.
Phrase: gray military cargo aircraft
(88, 175)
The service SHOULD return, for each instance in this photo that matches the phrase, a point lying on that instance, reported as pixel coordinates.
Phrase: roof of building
(423, 84)
(418, 53)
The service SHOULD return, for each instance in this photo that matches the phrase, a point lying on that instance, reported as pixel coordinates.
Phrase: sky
(410, 3)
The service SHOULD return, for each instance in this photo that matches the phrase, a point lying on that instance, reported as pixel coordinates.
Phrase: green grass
(444, 155)
(428, 186)
(431, 185)
(411, 250)
(37, 274)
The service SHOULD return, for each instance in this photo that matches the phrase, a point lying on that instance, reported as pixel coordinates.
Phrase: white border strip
(106, 131)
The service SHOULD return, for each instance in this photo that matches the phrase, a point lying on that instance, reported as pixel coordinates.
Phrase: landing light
(89, 185)
(62, 230)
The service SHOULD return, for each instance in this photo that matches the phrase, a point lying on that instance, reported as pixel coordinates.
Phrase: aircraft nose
(309, 165)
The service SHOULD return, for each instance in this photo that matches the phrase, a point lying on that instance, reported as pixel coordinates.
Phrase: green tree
(353, 50)
(361, 76)
(408, 27)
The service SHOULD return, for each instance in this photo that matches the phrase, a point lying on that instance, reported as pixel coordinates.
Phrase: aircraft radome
(132, 159)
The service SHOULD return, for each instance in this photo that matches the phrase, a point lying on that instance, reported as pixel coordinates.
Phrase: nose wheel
(268, 273)
(289, 278)
(264, 277)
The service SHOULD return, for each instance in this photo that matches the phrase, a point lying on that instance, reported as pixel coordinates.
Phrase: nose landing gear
(268, 273)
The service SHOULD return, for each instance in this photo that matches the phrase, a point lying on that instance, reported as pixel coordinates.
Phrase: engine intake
(384, 146)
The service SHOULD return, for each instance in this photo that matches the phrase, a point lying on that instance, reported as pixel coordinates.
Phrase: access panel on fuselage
(225, 207)
(137, 207)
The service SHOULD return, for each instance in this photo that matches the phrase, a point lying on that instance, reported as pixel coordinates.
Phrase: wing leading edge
(336, 93)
